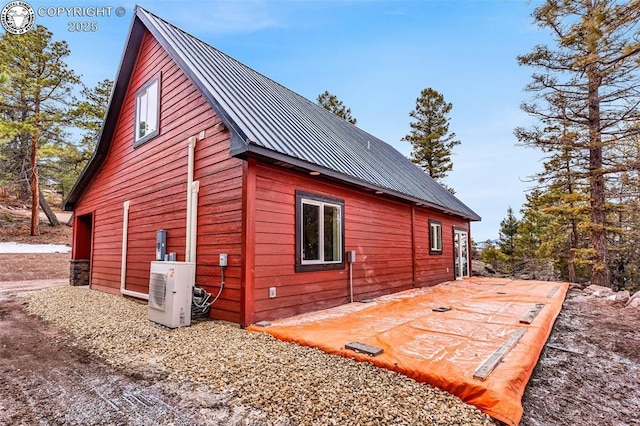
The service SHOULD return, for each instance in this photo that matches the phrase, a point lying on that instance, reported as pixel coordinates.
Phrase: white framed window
(319, 232)
(147, 114)
(435, 237)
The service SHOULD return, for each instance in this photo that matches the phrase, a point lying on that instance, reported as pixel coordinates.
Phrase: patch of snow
(13, 247)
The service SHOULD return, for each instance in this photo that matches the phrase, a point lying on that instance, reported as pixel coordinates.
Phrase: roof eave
(254, 150)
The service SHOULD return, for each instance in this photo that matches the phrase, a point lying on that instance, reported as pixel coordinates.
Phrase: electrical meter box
(161, 244)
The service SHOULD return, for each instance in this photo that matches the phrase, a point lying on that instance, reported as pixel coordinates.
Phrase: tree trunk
(599, 269)
(35, 190)
(571, 261)
(573, 235)
(53, 219)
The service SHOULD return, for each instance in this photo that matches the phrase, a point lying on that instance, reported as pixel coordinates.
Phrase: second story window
(147, 119)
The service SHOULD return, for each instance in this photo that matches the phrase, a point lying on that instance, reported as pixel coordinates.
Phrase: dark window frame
(146, 138)
(431, 249)
(299, 266)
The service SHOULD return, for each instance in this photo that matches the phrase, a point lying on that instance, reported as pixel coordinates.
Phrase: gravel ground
(280, 383)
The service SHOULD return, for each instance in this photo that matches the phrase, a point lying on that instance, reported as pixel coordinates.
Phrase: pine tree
(89, 112)
(430, 137)
(508, 233)
(623, 194)
(6, 132)
(331, 103)
(34, 102)
(588, 86)
(549, 232)
(87, 115)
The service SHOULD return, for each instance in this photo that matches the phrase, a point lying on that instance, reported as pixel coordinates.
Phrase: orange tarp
(444, 349)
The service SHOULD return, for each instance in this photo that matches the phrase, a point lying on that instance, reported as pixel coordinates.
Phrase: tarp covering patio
(478, 338)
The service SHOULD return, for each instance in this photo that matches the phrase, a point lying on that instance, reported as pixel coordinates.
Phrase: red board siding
(431, 269)
(379, 229)
(153, 177)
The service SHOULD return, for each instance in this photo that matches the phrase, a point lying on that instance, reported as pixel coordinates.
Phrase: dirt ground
(46, 379)
(598, 382)
(37, 266)
(591, 375)
(15, 223)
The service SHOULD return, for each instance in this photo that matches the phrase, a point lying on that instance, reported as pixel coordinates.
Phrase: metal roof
(269, 120)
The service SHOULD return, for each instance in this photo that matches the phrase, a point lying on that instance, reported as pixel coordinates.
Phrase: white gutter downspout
(188, 257)
(195, 188)
(123, 267)
(351, 281)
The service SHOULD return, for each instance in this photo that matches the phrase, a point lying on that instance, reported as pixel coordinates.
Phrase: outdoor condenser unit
(170, 293)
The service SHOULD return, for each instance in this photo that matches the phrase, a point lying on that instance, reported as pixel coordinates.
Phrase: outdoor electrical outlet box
(161, 244)
(223, 259)
(272, 292)
(351, 256)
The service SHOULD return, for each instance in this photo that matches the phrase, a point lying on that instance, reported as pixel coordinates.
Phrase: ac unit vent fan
(157, 290)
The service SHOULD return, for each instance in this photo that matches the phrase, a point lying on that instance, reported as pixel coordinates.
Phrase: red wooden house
(228, 161)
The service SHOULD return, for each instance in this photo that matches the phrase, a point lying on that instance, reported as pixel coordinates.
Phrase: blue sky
(376, 56)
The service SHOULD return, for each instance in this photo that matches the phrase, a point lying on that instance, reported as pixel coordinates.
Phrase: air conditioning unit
(170, 293)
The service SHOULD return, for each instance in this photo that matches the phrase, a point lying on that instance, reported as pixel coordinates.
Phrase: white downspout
(123, 266)
(351, 281)
(189, 257)
(195, 188)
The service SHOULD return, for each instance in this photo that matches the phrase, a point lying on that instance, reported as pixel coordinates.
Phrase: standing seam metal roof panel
(270, 116)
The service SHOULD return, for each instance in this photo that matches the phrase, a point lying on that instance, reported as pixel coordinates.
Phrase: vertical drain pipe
(123, 266)
(190, 228)
(351, 258)
(351, 280)
(125, 237)
(195, 188)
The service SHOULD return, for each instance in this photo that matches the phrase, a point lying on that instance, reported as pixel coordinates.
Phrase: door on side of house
(461, 253)
(82, 248)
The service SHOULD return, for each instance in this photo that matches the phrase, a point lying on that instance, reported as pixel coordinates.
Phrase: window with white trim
(319, 232)
(147, 118)
(435, 237)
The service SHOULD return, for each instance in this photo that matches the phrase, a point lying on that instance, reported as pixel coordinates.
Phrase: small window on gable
(435, 237)
(147, 118)
(319, 232)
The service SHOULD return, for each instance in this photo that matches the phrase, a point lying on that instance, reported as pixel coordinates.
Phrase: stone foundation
(79, 272)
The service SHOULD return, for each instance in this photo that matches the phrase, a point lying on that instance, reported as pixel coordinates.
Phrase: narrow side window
(147, 118)
(435, 237)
